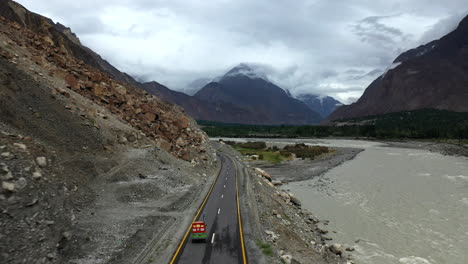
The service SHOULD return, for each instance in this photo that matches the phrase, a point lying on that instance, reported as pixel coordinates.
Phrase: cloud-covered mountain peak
(249, 70)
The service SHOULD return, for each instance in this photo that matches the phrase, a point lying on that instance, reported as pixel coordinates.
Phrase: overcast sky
(332, 47)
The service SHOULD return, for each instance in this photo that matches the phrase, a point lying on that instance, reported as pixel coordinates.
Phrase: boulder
(8, 186)
(99, 90)
(263, 173)
(20, 146)
(37, 175)
(72, 82)
(277, 183)
(286, 259)
(295, 200)
(122, 139)
(336, 249)
(41, 161)
(96, 77)
(271, 236)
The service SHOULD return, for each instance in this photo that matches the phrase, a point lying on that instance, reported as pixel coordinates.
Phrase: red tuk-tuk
(198, 231)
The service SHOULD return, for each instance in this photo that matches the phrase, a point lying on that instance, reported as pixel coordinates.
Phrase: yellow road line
(176, 254)
(244, 256)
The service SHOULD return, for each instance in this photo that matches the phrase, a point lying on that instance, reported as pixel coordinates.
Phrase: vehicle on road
(198, 231)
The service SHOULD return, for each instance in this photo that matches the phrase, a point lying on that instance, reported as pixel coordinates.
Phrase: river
(393, 205)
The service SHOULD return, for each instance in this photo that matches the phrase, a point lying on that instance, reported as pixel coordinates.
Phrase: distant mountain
(249, 89)
(324, 105)
(433, 76)
(196, 85)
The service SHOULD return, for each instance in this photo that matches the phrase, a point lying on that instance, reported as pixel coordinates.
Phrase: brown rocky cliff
(61, 37)
(163, 122)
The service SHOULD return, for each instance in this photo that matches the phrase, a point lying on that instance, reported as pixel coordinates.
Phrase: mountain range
(433, 76)
(324, 105)
(242, 95)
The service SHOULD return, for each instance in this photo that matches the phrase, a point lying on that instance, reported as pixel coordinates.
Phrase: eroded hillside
(92, 169)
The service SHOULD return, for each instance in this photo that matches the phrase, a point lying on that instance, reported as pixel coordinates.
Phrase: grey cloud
(442, 27)
(370, 74)
(373, 30)
(303, 45)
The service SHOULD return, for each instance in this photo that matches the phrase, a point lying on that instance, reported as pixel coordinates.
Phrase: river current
(393, 205)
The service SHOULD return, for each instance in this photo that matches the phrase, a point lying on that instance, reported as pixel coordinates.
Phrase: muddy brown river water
(393, 205)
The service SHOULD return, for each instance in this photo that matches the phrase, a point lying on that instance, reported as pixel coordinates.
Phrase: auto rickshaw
(198, 231)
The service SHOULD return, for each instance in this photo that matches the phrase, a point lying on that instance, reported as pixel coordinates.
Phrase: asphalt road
(223, 244)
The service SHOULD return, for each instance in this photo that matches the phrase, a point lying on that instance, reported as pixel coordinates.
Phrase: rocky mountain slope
(61, 36)
(244, 88)
(324, 105)
(434, 75)
(91, 167)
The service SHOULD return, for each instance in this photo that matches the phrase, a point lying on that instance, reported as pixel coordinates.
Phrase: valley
(188, 132)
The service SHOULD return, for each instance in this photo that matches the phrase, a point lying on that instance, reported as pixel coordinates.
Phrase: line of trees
(419, 124)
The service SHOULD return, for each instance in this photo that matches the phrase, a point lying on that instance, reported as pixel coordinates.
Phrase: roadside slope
(92, 169)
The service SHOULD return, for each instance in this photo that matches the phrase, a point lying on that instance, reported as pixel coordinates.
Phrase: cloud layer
(318, 46)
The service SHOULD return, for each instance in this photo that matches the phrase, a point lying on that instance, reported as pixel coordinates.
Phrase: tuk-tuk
(198, 231)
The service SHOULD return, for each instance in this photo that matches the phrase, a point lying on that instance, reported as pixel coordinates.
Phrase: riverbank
(450, 149)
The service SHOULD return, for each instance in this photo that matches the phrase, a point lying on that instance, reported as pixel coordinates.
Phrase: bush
(253, 145)
(303, 151)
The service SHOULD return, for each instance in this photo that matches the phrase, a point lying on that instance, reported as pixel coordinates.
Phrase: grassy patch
(271, 156)
(266, 248)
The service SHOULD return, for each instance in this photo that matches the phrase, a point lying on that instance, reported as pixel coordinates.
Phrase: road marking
(224, 186)
(212, 238)
(219, 210)
(176, 253)
(222, 196)
(239, 219)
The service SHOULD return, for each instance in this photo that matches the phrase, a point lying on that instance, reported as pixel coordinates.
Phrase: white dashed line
(224, 186)
(222, 196)
(212, 238)
(219, 210)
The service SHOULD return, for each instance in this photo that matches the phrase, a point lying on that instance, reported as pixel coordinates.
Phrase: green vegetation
(266, 248)
(419, 124)
(274, 157)
(305, 152)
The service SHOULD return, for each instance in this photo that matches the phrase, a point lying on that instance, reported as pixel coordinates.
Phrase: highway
(221, 214)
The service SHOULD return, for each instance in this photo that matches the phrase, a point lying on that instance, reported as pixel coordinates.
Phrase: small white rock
(37, 175)
(8, 186)
(19, 145)
(5, 155)
(286, 258)
(41, 161)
